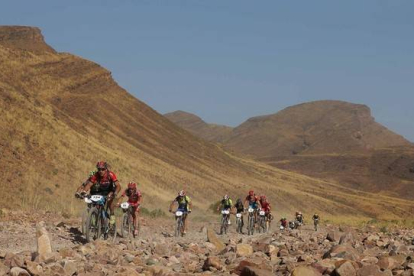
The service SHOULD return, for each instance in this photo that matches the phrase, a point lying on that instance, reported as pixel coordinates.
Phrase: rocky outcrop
(24, 38)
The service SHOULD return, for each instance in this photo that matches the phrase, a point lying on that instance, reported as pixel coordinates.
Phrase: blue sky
(228, 60)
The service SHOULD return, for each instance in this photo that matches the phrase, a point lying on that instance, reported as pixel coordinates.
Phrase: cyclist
(315, 221)
(253, 202)
(134, 200)
(184, 205)
(225, 204)
(108, 185)
(265, 206)
(284, 222)
(299, 217)
(239, 210)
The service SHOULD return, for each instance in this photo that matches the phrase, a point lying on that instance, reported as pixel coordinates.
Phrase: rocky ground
(341, 251)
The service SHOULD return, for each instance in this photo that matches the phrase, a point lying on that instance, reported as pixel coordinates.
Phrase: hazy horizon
(229, 61)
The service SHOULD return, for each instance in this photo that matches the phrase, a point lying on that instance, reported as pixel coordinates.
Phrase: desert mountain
(333, 140)
(313, 128)
(61, 113)
(195, 125)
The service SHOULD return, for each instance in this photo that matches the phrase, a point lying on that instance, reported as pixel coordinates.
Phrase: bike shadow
(77, 236)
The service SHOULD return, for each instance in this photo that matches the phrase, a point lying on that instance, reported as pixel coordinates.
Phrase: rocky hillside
(62, 113)
(195, 125)
(313, 128)
(333, 140)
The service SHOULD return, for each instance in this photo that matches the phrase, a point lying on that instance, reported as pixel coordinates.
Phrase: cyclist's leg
(111, 205)
(134, 216)
(185, 223)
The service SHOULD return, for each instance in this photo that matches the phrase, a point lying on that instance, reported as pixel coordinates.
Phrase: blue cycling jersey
(253, 205)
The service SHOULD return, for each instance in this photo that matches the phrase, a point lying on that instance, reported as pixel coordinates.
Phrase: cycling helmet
(132, 185)
(101, 165)
(226, 197)
(181, 193)
(251, 193)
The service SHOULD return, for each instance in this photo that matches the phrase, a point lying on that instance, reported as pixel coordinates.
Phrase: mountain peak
(25, 38)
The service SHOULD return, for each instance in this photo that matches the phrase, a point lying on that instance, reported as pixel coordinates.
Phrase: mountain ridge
(333, 140)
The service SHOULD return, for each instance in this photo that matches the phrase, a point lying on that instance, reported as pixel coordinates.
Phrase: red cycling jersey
(265, 206)
(252, 199)
(133, 197)
(105, 182)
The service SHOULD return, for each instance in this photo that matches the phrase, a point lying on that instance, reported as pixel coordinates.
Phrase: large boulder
(44, 246)
(333, 236)
(211, 237)
(17, 271)
(373, 270)
(34, 268)
(254, 271)
(346, 269)
(253, 263)
(305, 271)
(212, 262)
(244, 250)
(343, 251)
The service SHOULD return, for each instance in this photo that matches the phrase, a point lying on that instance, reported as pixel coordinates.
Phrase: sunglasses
(101, 169)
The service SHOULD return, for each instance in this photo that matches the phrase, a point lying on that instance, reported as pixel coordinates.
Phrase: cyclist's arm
(117, 188)
(121, 198)
(172, 205)
(87, 186)
(219, 206)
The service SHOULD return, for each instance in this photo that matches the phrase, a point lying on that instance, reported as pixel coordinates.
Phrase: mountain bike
(239, 223)
(179, 226)
(251, 221)
(315, 223)
(127, 227)
(262, 222)
(224, 221)
(97, 225)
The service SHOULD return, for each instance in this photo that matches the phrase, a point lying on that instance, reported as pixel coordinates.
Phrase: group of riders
(104, 182)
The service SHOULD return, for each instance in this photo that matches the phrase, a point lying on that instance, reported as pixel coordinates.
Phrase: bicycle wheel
(251, 225)
(239, 225)
(126, 226)
(93, 225)
(179, 222)
(85, 215)
(138, 227)
(112, 232)
(222, 226)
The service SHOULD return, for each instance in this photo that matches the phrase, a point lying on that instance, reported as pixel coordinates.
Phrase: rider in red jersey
(108, 185)
(253, 202)
(134, 200)
(265, 205)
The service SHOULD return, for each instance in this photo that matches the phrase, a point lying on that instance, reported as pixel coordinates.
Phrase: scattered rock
(305, 271)
(17, 271)
(43, 242)
(244, 250)
(211, 237)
